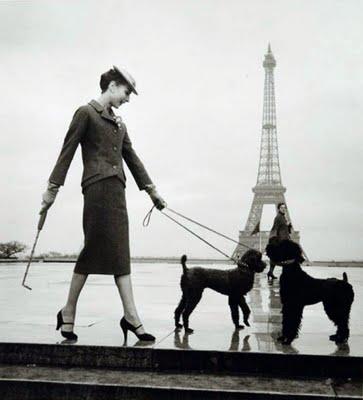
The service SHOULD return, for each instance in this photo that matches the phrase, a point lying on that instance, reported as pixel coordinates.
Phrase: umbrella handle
(42, 218)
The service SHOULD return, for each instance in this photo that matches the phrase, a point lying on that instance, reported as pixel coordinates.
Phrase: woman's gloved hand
(49, 196)
(158, 201)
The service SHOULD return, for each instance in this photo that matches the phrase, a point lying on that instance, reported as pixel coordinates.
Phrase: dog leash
(146, 223)
(200, 238)
(147, 219)
(209, 229)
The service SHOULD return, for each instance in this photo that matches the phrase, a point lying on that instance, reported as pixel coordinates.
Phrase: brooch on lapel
(118, 121)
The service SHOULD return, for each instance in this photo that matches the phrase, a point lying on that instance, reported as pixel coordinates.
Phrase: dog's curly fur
(298, 289)
(234, 283)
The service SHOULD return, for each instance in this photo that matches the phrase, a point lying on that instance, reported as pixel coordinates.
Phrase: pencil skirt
(106, 229)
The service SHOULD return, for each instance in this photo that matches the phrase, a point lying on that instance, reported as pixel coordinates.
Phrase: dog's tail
(345, 277)
(183, 261)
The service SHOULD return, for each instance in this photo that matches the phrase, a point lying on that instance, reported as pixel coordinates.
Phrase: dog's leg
(245, 310)
(233, 305)
(291, 320)
(178, 311)
(192, 300)
(339, 314)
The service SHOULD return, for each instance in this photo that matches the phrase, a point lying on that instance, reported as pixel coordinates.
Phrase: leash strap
(147, 218)
(199, 237)
(209, 229)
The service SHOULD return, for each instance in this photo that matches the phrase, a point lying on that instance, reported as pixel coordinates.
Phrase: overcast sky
(196, 123)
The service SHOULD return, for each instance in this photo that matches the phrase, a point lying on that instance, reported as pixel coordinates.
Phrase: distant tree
(10, 248)
(56, 254)
(50, 254)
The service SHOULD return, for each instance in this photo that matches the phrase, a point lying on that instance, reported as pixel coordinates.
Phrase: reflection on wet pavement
(30, 316)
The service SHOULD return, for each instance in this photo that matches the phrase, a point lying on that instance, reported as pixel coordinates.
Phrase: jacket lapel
(106, 115)
(100, 109)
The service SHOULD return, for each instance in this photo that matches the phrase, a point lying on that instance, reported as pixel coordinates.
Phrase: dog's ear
(244, 257)
(254, 259)
(284, 250)
(250, 257)
(271, 251)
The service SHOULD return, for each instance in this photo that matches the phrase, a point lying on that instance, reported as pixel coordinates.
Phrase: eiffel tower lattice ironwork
(269, 188)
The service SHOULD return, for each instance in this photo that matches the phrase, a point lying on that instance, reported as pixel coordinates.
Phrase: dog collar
(287, 262)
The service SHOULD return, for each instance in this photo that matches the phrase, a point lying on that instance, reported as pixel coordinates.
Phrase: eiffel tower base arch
(263, 195)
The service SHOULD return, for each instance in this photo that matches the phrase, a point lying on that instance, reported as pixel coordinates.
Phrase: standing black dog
(234, 283)
(298, 289)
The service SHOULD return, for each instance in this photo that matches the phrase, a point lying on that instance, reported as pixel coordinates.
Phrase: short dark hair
(280, 204)
(109, 76)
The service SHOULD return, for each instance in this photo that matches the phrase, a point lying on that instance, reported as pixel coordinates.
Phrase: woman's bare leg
(69, 310)
(124, 286)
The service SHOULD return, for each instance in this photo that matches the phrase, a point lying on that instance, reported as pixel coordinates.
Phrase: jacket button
(115, 131)
(115, 148)
(114, 166)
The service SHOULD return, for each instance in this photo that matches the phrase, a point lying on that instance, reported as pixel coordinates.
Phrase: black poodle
(234, 283)
(298, 289)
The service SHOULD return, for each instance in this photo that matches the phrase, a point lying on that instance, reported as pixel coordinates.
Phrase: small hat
(286, 250)
(128, 78)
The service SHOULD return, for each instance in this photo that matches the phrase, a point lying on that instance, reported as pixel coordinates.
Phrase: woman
(280, 231)
(105, 143)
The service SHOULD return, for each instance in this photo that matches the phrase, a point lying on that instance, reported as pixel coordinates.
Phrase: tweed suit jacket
(105, 144)
(280, 228)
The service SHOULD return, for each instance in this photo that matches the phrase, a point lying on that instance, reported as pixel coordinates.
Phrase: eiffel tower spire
(269, 167)
(269, 188)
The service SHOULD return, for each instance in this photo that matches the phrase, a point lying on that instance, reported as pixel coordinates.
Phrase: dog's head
(284, 253)
(253, 259)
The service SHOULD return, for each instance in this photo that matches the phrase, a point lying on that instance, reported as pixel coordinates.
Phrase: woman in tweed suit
(280, 231)
(105, 144)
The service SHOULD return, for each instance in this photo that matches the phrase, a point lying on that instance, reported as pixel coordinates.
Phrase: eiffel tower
(269, 188)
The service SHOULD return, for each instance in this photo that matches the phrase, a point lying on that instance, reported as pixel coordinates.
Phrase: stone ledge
(98, 383)
(139, 358)
(13, 390)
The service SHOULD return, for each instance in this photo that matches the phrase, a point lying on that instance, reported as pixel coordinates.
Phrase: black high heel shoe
(65, 334)
(271, 276)
(126, 326)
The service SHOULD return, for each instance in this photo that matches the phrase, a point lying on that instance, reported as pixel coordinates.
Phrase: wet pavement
(30, 316)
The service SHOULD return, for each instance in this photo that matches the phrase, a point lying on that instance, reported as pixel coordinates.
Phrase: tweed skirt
(106, 230)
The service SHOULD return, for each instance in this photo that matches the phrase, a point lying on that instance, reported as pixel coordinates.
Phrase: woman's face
(282, 209)
(119, 94)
